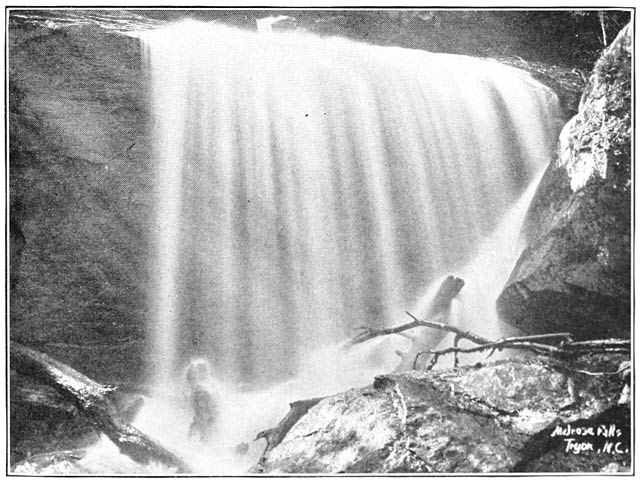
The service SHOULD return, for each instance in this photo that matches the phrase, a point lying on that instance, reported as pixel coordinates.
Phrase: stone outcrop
(504, 417)
(81, 196)
(575, 273)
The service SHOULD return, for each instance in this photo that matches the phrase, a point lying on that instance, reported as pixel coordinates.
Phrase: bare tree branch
(564, 347)
(531, 343)
(448, 290)
(275, 435)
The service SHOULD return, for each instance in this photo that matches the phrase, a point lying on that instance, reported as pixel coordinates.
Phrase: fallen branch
(91, 399)
(564, 349)
(450, 287)
(448, 290)
(603, 345)
(91, 345)
(275, 435)
(461, 334)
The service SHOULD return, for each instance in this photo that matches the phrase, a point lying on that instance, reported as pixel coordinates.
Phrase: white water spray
(311, 185)
(308, 186)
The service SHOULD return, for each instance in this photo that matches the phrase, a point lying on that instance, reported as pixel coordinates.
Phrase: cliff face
(575, 274)
(80, 186)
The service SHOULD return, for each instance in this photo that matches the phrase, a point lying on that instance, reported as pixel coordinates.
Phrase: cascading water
(311, 185)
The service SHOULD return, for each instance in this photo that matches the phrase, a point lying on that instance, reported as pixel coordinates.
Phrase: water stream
(307, 186)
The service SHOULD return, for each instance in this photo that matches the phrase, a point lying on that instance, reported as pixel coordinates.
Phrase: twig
(369, 333)
(589, 373)
(451, 328)
(592, 345)
(564, 349)
(456, 344)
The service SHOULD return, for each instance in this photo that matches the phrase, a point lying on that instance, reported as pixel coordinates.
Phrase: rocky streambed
(530, 415)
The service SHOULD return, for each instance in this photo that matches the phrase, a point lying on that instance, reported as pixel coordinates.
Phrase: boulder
(506, 416)
(575, 273)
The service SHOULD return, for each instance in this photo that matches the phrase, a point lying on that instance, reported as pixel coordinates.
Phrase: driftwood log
(93, 401)
(275, 435)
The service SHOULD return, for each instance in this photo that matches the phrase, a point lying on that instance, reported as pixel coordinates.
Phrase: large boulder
(575, 273)
(504, 417)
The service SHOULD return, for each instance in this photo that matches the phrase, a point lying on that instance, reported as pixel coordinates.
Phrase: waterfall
(310, 185)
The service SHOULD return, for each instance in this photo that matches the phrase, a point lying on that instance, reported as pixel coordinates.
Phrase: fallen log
(92, 400)
(448, 290)
(24, 391)
(33, 394)
(275, 435)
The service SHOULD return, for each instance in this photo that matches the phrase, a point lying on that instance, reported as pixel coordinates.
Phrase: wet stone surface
(504, 417)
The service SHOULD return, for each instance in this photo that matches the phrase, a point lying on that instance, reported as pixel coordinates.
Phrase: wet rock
(495, 418)
(55, 462)
(574, 274)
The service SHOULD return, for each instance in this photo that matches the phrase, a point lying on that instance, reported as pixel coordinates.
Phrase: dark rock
(81, 197)
(494, 418)
(17, 243)
(568, 83)
(575, 273)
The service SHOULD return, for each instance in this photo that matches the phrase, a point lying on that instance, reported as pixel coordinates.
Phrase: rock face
(81, 196)
(575, 273)
(497, 418)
